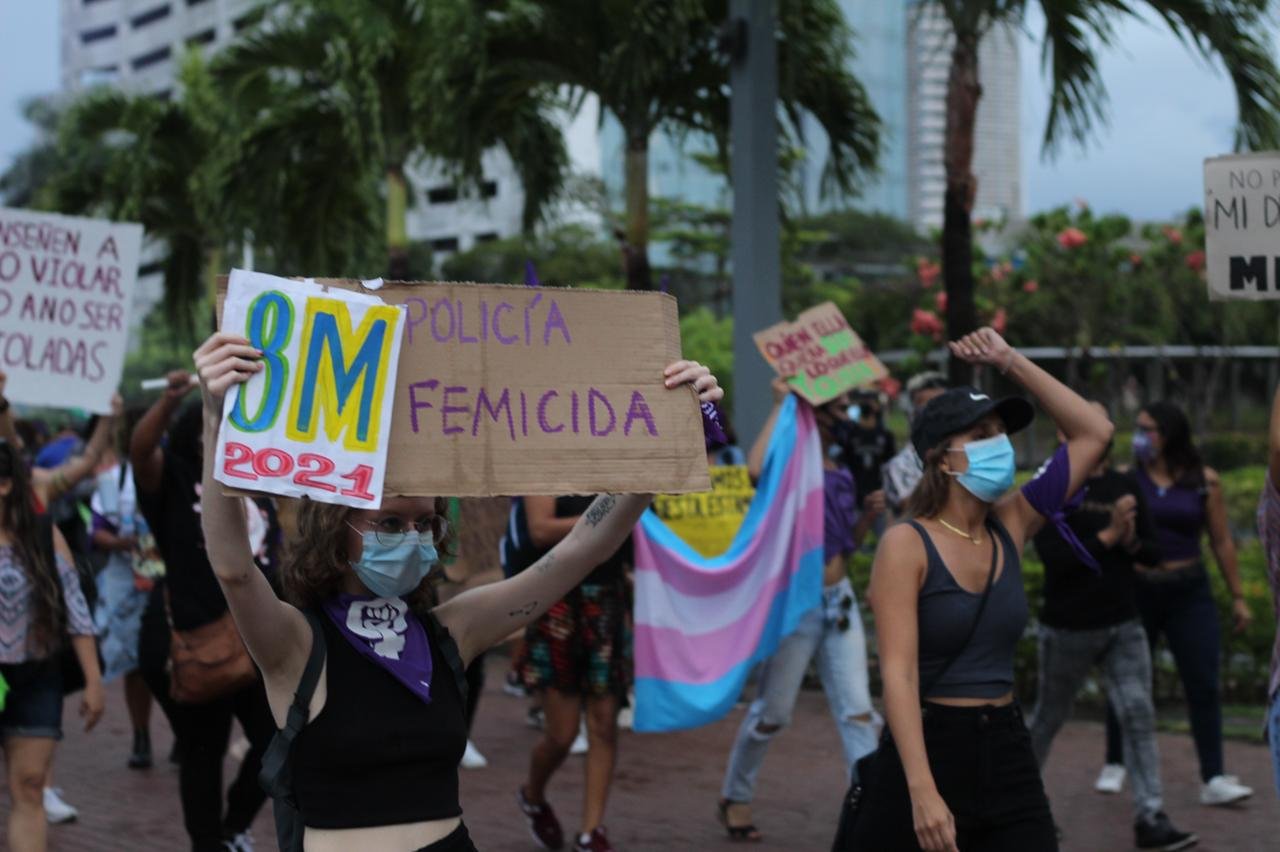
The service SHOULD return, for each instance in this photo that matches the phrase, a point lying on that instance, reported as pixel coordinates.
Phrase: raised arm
(144, 446)
(896, 577)
(480, 618)
(1087, 430)
(755, 458)
(49, 484)
(1224, 548)
(275, 633)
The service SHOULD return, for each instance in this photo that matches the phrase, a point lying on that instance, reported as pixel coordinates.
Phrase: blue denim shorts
(33, 707)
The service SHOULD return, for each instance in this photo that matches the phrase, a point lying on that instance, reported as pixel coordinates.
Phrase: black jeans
(985, 771)
(1182, 608)
(203, 732)
(458, 840)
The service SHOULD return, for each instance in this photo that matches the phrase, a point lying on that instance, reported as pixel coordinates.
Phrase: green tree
(657, 64)
(22, 183)
(389, 81)
(1232, 32)
(564, 256)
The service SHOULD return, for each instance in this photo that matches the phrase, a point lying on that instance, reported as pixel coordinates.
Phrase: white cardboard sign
(66, 292)
(1242, 226)
(316, 420)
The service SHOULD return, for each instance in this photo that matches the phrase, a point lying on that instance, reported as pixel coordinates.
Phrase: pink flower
(1031, 285)
(926, 323)
(1135, 259)
(1173, 235)
(891, 386)
(928, 272)
(1000, 321)
(940, 301)
(999, 273)
(1071, 238)
(1195, 261)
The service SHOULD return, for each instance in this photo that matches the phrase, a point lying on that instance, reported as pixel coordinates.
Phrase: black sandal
(737, 833)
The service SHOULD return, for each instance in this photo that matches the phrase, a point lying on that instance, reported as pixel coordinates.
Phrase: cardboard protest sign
(819, 354)
(707, 522)
(1242, 226)
(506, 390)
(315, 421)
(66, 293)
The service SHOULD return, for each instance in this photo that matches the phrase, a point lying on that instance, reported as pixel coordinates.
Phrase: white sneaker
(472, 758)
(56, 810)
(626, 718)
(1224, 790)
(1110, 779)
(580, 743)
(242, 842)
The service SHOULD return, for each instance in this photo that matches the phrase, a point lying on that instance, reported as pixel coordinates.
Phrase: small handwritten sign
(819, 354)
(1242, 226)
(708, 522)
(316, 420)
(506, 390)
(66, 292)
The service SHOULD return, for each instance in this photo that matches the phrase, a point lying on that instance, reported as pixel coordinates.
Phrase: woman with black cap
(957, 771)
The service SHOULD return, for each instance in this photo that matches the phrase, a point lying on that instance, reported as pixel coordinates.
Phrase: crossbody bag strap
(300, 709)
(977, 617)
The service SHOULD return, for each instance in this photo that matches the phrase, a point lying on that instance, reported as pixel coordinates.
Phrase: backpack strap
(439, 635)
(277, 775)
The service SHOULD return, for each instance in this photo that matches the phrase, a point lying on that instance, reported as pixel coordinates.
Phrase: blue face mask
(1143, 452)
(991, 468)
(854, 412)
(394, 570)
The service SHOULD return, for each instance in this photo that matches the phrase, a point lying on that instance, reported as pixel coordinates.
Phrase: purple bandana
(712, 431)
(385, 631)
(1046, 493)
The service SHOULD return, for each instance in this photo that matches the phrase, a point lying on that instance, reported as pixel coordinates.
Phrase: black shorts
(33, 705)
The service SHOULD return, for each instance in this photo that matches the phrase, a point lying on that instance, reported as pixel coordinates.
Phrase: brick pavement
(665, 788)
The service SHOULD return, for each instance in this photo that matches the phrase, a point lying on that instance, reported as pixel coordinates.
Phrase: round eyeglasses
(388, 530)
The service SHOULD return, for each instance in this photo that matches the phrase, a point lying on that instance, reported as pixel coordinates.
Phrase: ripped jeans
(842, 666)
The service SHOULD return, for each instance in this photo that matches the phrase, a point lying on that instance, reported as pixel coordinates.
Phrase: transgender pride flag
(702, 623)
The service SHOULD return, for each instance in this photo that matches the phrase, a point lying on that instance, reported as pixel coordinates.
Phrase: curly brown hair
(316, 560)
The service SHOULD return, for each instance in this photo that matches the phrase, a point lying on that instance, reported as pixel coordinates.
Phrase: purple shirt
(1269, 533)
(839, 513)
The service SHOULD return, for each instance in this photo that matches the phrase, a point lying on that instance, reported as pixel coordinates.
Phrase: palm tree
(1235, 32)
(659, 64)
(151, 160)
(22, 183)
(388, 81)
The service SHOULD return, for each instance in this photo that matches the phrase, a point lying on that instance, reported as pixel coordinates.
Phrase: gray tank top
(945, 612)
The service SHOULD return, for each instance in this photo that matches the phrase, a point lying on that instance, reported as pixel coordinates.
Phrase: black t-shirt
(1075, 597)
(172, 512)
(865, 451)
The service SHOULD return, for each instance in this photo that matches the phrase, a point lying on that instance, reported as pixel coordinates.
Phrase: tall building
(997, 161)
(138, 44)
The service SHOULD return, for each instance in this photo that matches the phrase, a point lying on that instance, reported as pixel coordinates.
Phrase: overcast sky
(1168, 111)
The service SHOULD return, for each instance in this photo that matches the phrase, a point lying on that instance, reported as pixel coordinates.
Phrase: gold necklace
(976, 541)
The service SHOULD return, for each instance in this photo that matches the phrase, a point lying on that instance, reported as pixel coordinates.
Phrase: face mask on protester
(1143, 451)
(394, 568)
(854, 412)
(991, 467)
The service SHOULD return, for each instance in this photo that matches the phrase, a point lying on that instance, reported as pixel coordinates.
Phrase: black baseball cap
(958, 409)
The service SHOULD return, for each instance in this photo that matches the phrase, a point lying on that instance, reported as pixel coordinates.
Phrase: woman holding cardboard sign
(373, 752)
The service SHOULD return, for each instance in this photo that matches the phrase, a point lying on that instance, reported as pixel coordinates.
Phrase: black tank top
(376, 754)
(945, 612)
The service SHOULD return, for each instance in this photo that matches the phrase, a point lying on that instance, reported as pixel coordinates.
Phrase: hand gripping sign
(316, 420)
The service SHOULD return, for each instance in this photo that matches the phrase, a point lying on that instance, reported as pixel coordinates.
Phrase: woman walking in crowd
(42, 605)
(1174, 598)
(1269, 533)
(1090, 616)
(957, 771)
(577, 660)
(377, 766)
(831, 633)
(168, 493)
(124, 583)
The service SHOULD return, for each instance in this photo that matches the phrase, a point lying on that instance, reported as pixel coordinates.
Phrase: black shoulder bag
(864, 770)
(277, 766)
